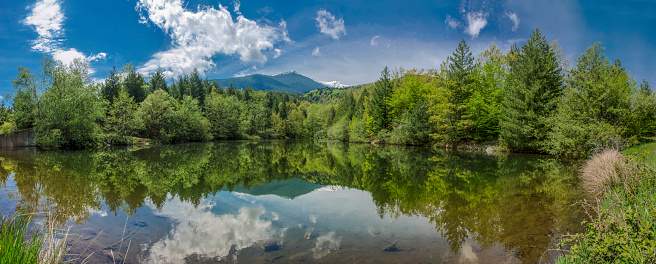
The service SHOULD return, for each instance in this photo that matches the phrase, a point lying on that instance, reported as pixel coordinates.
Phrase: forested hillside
(526, 99)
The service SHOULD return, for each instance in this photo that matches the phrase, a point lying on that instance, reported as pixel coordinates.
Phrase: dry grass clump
(601, 170)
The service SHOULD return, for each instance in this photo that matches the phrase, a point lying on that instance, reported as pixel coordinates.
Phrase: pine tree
(533, 91)
(134, 83)
(158, 81)
(111, 86)
(459, 70)
(378, 109)
(645, 88)
(196, 86)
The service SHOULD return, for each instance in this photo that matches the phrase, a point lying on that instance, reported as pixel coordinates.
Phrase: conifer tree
(134, 83)
(533, 91)
(378, 109)
(157, 81)
(111, 86)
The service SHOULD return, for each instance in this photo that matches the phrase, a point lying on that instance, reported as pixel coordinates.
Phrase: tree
(533, 91)
(134, 83)
(223, 113)
(378, 111)
(188, 123)
(157, 81)
(196, 90)
(596, 107)
(645, 88)
(154, 115)
(25, 99)
(70, 107)
(121, 121)
(111, 86)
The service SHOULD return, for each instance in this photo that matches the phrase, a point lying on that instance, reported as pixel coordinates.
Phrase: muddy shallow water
(297, 201)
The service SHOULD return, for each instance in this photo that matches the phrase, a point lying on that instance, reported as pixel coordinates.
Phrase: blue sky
(348, 41)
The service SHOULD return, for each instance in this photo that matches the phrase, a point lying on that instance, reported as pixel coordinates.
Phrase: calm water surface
(298, 201)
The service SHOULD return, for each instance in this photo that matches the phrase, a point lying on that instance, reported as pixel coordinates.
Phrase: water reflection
(520, 203)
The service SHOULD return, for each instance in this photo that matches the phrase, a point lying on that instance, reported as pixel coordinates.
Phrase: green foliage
(7, 127)
(157, 81)
(111, 86)
(69, 108)
(154, 114)
(378, 109)
(533, 91)
(223, 115)
(484, 106)
(134, 83)
(121, 122)
(187, 122)
(25, 99)
(596, 107)
(623, 229)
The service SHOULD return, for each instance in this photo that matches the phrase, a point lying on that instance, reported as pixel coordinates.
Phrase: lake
(298, 201)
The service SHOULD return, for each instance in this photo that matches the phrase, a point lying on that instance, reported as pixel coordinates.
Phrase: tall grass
(622, 221)
(23, 242)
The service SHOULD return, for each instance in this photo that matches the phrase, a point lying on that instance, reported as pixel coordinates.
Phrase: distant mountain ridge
(291, 82)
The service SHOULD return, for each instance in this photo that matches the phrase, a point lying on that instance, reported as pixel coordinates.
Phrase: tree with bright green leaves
(69, 107)
(154, 115)
(595, 111)
(643, 122)
(121, 121)
(533, 91)
(25, 99)
(157, 81)
(379, 116)
(188, 123)
(111, 86)
(459, 70)
(134, 83)
(484, 106)
(223, 113)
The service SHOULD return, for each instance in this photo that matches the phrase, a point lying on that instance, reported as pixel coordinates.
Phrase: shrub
(601, 170)
(7, 128)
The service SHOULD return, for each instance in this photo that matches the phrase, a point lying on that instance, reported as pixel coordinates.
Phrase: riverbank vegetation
(23, 242)
(620, 228)
(525, 99)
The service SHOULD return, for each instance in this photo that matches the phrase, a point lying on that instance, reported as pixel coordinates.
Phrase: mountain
(334, 84)
(291, 82)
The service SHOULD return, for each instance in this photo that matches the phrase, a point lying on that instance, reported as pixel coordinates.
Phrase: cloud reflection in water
(199, 231)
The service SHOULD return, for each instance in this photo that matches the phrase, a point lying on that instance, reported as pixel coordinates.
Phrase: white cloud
(277, 53)
(451, 22)
(373, 41)
(237, 5)
(316, 52)
(198, 36)
(515, 20)
(476, 21)
(47, 18)
(330, 26)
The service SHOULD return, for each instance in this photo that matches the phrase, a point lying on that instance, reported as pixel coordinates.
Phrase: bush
(7, 128)
(621, 228)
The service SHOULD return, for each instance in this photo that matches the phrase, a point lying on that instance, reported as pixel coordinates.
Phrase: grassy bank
(621, 227)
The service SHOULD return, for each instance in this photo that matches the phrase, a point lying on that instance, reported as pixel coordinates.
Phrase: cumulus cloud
(515, 19)
(329, 25)
(197, 230)
(476, 21)
(277, 53)
(451, 22)
(316, 52)
(198, 36)
(47, 18)
(374, 41)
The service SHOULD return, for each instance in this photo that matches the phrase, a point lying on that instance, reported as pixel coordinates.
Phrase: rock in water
(270, 245)
(310, 233)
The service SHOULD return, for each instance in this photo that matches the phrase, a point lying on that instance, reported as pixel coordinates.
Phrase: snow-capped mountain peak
(333, 84)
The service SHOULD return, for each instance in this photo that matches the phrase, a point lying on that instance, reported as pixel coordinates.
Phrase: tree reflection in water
(521, 202)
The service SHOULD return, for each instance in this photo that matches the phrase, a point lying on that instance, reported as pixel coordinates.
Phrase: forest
(524, 99)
